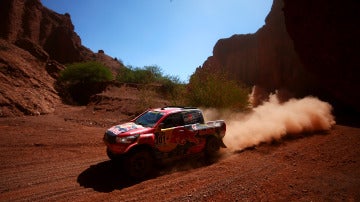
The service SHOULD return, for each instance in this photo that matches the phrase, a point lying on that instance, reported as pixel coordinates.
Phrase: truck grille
(110, 138)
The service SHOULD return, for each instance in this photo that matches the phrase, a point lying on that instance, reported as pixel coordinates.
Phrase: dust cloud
(272, 120)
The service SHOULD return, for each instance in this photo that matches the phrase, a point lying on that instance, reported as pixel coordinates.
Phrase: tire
(111, 155)
(212, 146)
(139, 164)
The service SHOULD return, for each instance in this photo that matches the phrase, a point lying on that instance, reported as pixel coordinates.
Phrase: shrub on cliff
(82, 80)
(174, 90)
(86, 72)
(170, 86)
(210, 89)
(146, 75)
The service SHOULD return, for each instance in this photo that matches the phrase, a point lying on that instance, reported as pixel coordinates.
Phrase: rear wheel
(212, 146)
(139, 164)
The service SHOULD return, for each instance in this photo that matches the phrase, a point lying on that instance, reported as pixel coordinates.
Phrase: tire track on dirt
(36, 174)
(64, 189)
(45, 182)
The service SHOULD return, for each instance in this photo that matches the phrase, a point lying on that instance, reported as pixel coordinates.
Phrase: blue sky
(176, 35)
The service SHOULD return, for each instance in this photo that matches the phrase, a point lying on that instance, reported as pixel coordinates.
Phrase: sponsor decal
(124, 128)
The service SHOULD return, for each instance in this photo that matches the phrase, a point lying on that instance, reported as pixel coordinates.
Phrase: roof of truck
(172, 109)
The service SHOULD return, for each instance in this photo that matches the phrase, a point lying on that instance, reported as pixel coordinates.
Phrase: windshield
(149, 119)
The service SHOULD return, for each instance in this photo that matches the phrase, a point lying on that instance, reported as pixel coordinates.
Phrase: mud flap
(222, 145)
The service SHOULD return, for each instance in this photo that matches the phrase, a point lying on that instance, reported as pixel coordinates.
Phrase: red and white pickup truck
(162, 133)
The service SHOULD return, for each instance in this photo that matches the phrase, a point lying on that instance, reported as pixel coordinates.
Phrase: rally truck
(161, 134)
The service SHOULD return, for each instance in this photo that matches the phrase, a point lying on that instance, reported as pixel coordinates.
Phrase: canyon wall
(35, 42)
(30, 20)
(304, 48)
(326, 38)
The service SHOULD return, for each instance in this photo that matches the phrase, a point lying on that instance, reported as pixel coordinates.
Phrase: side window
(173, 120)
(193, 117)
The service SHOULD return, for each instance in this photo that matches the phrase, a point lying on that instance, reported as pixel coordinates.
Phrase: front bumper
(117, 148)
(113, 146)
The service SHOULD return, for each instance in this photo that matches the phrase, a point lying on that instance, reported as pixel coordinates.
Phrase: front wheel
(139, 164)
(111, 155)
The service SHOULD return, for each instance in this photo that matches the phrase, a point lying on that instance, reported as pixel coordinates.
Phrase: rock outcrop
(317, 58)
(326, 38)
(30, 20)
(34, 43)
(26, 88)
(266, 59)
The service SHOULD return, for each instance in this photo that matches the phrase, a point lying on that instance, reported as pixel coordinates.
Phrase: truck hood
(127, 129)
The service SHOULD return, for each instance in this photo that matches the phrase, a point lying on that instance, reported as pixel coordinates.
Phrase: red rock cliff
(326, 37)
(28, 19)
(318, 57)
(34, 41)
(266, 58)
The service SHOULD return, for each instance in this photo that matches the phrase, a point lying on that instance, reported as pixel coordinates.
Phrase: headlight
(128, 139)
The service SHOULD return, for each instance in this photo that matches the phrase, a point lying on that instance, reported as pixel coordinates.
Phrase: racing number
(160, 138)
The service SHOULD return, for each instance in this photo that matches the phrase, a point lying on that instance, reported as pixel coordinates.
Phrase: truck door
(192, 120)
(166, 140)
(177, 137)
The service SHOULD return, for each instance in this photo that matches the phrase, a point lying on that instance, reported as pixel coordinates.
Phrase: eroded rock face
(33, 49)
(30, 20)
(305, 48)
(35, 42)
(326, 38)
(31, 53)
(266, 58)
(26, 88)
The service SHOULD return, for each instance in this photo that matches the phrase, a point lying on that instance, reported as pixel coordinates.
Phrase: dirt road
(61, 157)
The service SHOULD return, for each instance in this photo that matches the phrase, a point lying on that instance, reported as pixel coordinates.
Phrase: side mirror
(159, 127)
